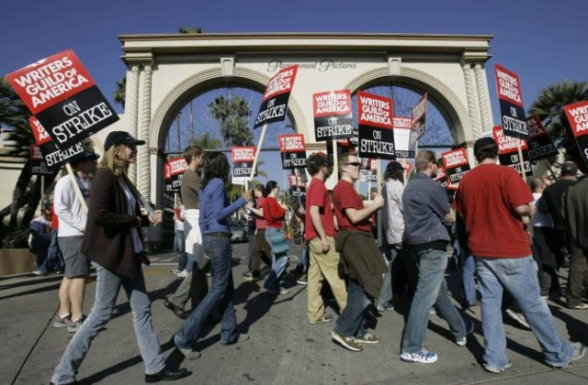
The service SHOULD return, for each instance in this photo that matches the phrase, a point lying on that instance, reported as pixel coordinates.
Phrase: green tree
(233, 117)
(206, 142)
(120, 92)
(14, 115)
(550, 102)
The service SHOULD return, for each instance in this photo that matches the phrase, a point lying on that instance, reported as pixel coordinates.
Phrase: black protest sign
(293, 151)
(54, 157)
(173, 172)
(456, 165)
(512, 111)
(61, 94)
(376, 134)
(540, 144)
(419, 114)
(332, 115)
(38, 165)
(508, 153)
(242, 158)
(274, 104)
(297, 185)
(577, 114)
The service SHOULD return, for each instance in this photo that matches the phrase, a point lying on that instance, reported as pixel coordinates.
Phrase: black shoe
(167, 375)
(178, 311)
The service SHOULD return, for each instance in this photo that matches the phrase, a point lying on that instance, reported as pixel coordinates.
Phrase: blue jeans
(302, 265)
(469, 287)
(108, 286)
(390, 254)
(352, 319)
(180, 248)
(431, 290)
(54, 257)
(279, 263)
(519, 277)
(219, 250)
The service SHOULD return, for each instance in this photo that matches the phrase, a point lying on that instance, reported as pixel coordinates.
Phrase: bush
(13, 238)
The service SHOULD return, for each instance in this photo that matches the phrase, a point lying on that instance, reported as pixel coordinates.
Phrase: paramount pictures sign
(323, 65)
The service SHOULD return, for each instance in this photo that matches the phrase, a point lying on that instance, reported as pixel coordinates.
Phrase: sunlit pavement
(284, 348)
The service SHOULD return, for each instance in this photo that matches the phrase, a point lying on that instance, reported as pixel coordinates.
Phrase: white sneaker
(183, 274)
(423, 356)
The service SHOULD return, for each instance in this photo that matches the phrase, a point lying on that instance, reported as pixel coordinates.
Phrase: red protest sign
(540, 144)
(274, 104)
(506, 144)
(50, 80)
(333, 118)
(293, 150)
(508, 151)
(577, 115)
(243, 158)
(510, 98)
(375, 121)
(419, 112)
(456, 165)
(175, 167)
(509, 86)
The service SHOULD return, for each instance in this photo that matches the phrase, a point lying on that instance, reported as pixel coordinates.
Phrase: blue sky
(543, 42)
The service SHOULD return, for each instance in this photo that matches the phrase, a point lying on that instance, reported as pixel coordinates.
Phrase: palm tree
(120, 92)
(206, 142)
(232, 116)
(549, 106)
(15, 115)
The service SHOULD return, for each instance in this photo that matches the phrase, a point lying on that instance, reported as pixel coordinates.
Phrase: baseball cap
(86, 155)
(569, 169)
(121, 137)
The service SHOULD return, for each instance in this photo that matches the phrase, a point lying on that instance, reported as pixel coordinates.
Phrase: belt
(218, 234)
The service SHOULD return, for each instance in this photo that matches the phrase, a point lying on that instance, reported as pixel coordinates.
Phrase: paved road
(284, 348)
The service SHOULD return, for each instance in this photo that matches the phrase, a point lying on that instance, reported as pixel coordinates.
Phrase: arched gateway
(166, 71)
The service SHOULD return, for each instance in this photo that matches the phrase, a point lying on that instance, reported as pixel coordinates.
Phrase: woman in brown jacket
(113, 241)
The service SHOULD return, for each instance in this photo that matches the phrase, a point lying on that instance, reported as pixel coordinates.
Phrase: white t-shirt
(68, 208)
(179, 225)
(540, 219)
(132, 202)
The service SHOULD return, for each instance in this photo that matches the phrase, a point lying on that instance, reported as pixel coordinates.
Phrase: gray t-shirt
(191, 186)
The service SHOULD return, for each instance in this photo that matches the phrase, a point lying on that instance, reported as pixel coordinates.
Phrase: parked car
(238, 231)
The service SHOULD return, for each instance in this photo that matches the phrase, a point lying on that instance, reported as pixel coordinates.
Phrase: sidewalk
(284, 348)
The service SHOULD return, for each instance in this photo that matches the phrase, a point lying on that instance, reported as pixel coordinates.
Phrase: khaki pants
(323, 266)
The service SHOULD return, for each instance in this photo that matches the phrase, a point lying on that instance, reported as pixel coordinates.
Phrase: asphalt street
(284, 348)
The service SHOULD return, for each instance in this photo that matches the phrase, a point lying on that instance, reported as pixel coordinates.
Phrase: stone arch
(446, 101)
(202, 82)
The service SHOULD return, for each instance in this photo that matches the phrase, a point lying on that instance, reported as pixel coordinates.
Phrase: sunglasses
(354, 164)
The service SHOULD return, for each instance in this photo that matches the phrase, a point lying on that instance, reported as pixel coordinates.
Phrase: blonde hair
(111, 160)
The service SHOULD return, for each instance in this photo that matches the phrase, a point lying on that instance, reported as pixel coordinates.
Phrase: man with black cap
(72, 224)
(562, 243)
(493, 200)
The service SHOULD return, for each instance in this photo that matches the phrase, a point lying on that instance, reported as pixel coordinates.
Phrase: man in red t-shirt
(493, 200)
(320, 235)
(362, 258)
